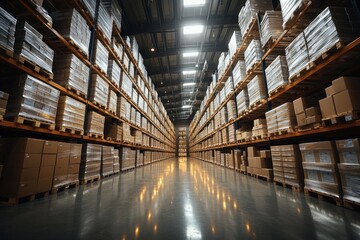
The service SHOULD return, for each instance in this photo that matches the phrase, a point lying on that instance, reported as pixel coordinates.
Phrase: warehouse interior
(190, 119)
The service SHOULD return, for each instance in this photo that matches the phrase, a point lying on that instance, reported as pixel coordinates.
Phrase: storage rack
(160, 129)
(312, 81)
(182, 144)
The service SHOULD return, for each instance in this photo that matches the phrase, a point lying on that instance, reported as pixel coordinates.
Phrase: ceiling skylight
(190, 54)
(194, 3)
(193, 29)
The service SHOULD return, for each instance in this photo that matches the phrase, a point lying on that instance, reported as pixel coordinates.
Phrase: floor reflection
(179, 199)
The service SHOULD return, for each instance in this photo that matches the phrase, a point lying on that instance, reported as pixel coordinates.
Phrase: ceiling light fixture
(162, 83)
(193, 29)
(189, 72)
(152, 49)
(186, 106)
(189, 84)
(194, 3)
(190, 54)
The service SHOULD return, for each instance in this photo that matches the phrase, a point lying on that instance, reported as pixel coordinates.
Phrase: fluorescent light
(193, 29)
(189, 84)
(186, 106)
(189, 72)
(190, 54)
(193, 3)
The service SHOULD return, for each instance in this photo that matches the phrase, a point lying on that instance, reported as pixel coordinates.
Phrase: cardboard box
(26, 160)
(50, 147)
(301, 119)
(252, 152)
(29, 145)
(347, 101)
(3, 103)
(346, 83)
(28, 174)
(48, 160)
(349, 150)
(73, 168)
(327, 107)
(24, 189)
(63, 147)
(265, 153)
(75, 153)
(258, 162)
(46, 172)
(313, 119)
(329, 91)
(43, 185)
(312, 111)
(300, 105)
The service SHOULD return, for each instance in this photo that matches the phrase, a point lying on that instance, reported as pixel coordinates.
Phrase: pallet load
(105, 22)
(242, 100)
(259, 131)
(234, 43)
(306, 117)
(290, 9)
(114, 72)
(123, 108)
(256, 90)
(277, 75)
(287, 165)
(239, 72)
(116, 161)
(62, 164)
(232, 133)
(128, 159)
(320, 170)
(74, 162)
(72, 26)
(138, 137)
(4, 97)
(260, 163)
(271, 28)
(252, 54)
(139, 158)
(95, 124)
(126, 84)
(32, 100)
(147, 157)
(30, 47)
(112, 102)
(90, 162)
(90, 6)
(342, 99)
(237, 159)
(281, 119)
(127, 137)
(349, 169)
(229, 88)
(107, 161)
(101, 57)
(118, 48)
(71, 73)
(7, 31)
(248, 13)
(70, 115)
(99, 91)
(114, 132)
(296, 56)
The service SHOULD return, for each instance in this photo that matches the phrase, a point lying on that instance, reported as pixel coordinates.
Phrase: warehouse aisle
(179, 200)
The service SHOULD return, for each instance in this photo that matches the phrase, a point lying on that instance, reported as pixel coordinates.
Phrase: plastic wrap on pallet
(70, 114)
(105, 22)
(134, 96)
(71, 25)
(277, 74)
(234, 43)
(90, 6)
(128, 158)
(297, 55)
(332, 26)
(289, 7)
(118, 48)
(126, 84)
(349, 150)
(7, 30)
(99, 90)
(90, 161)
(271, 27)
(256, 90)
(33, 99)
(101, 57)
(71, 72)
(95, 123)
(221, 65)
(112, 101)
(114, 72)
(107, 161)
(252, 54)
(285, 116)
(133, 115)
(239, 72)
(114, 9)
(249, 12)
(242, 100)
(350, 179)
(229, 87)
(29, 44)
(134, 47)
(231, 109)
(138, 118)
(115, 132)
(271, 121)
(123, 108)
(116, 161)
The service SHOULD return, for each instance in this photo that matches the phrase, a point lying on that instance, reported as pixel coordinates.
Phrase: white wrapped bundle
(114, 72)
(95, 123)
(242, 100)
(271, 121)
(7, 30)
(277, 74)
(90, 161)
(70, 114)
(101, 57)
(297, 55)
(256, 90)
(99, 90)
(105, 22)
(271, 27)
(285, 116)
(231, 110)
(239, 72)
(112, 102)
(252, 54)
(234, 43)
(126, 84)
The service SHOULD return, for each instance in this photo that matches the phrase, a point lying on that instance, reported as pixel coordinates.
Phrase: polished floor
(179, 199)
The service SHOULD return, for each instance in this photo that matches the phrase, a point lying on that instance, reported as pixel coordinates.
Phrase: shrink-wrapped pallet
(90, 6)
(29, 45)
(33, 99)
(107, 161)
(123, 107)
(128, 158)
(289, 9)
(271, 27)
(116, 161)
(234, 43)
(72, 26)
(90, 161)
(118, 48)
(114, 72)
(101, 57)
(99, 90)
(105, 22)
(134, 47)
(239, 72)
(285, 117)
(7, 30)
(256, 90)
(71, 72)
(231, 110)
(277, 74)
(126, 84)
(95, 123)
(242, 100)
(114, 9)
(252, 54)
(271, 120)
(221, 65)
(229, 87)
(297, 55)
(114, 132)
(70, 114)
(112, 101)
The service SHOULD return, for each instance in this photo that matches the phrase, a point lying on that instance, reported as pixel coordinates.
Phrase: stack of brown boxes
(259, 162)
(147, 157)
(114, 132)
(99, 90)
(319, 163)
(90, 161)
(139, 158)
(260, 128)
(95, 123)
(107, 161)
(112, 101)
(342, 98)
(281, 118)
(349, 168)
(116, 161)
(74, 162)
(70, 114)
(128, 158)
(277, 163)
(304, 114)
(232, 133)
(138, 137)
(3, 103)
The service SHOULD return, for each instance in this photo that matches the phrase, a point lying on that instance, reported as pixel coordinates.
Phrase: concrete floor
(179, 200)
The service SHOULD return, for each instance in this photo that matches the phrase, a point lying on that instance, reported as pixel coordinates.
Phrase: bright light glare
(193, 3)
(188, 84)
(190, 54)
(186, 106)
(194, 29)
(189, 72)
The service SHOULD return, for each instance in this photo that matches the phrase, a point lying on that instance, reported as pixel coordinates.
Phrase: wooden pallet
(99, 105)
(75, 91)
(78, 48)
(95, 135)
(295, 14)
(259, 137)
(256, 104)
(298, 74)
(99, 69)
(261, 177)
(107, 175)
(70, 130)
(253, 67)
(289, 186)
(282, 132)
(6, 52)
(345, 117)
(14, 201)
(89, 180)
(33, 66)
(323, 196)
(351, 204)
(64, 187)
(331, 50)
(277, 89)
(129, 169)
(308, 127)
(32, 122)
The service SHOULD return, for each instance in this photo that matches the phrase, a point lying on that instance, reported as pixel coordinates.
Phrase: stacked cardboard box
(112, 101)
(90, 161)
(260, 128)
(124, 108)
(237, 158)
(70, 114)
(243, 134)
(72, 26)
(242, 100)
(277, 74)
(296, 55)
(224, 136)
(4, 97)
(139, 158)
(95, 123)
(281, 118)
(256, 90)
(349, 168)
(147, 157)
(114, 132)
(114, 9)
(99, 90)
(342, 98)
(62, 163)
(259, 162)
(118, 48)
(229, 87)
(114, 72)
(252, 54)
(90, 6)
(138, 119)
(33, 99)
(127, 137)
(101, 57)
(232, 133)
(29, 45)
(71, 72)
(234, 43)
(319, 162)
(105, 22)
(126, 84)
(138, 137)
(133, 115)
(7, 30)
(277, 163)
(239, 72)
(116, 161)
(271, 27)
(304, 114)
(128, 158)
(107, 161)
(74, 162)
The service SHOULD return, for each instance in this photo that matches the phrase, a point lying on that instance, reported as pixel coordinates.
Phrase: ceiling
(158, 26)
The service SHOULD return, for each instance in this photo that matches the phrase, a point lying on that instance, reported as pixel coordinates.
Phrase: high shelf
(182, 142)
